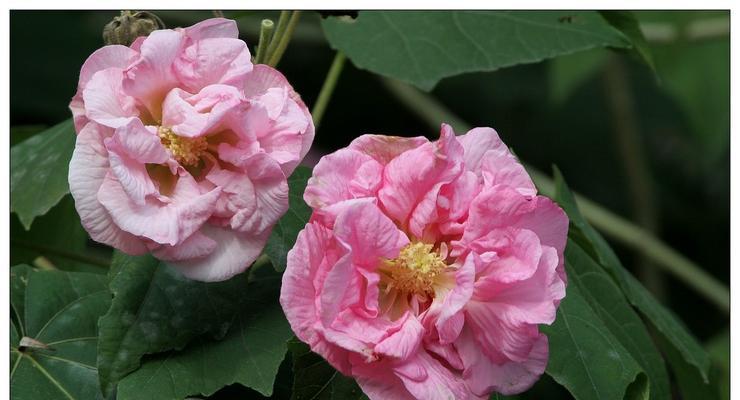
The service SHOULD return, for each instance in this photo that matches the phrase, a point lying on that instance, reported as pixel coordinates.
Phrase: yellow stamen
(415, 270)
(187, 151)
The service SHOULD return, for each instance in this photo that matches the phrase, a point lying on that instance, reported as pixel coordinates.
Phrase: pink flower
(427, 266)
(183, 148)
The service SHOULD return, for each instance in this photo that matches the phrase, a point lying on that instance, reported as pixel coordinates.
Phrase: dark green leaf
(567, 73)
(585, 357)
(155, 309)
(20, 133)
(422, 47)
(315, 379)
(719, 351)
(38, 171)
(286, 230)
(61, 311)
(59, 236)
(658, 316)
(627, 23)
(18, 283)
(605, 298)
(250, 354)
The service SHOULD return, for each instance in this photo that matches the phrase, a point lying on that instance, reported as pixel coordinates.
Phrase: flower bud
(125, 28)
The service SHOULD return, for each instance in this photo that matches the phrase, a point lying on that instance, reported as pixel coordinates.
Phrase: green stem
(631, 153)
(327, 89)
(612, 225)
(266, 27)
(279, 31)
(284, 39)
(62, 253)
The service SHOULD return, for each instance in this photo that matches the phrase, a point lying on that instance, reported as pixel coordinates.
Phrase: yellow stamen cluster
(415, 270)
(187, 151)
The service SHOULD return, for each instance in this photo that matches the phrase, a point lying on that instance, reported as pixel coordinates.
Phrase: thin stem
(284, 39)
(279, 31)
(266, 27)
(327, 89)
(218, 13)
(612, 225)
(631, 153)
(44, 263)
(62, 253)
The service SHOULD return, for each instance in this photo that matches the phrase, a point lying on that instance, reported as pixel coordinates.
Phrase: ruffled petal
(151, 76)
(213, 28)
(168, 222)
(212, 60)
(343, 175)
(412, 181)
(196, 115)
(233, 254)
(484, 376)
(196, 246)
(87, 170)
(104, 101)
(264, 77)
(490, 159)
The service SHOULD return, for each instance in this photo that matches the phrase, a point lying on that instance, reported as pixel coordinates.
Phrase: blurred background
(651, 147)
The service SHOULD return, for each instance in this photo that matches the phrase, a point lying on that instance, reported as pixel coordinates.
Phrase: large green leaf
(250, 354)
(38, 171)
(317, 380)
(155, 309)
(59, 236)
(587, 358)
(662, 319)
(605, 298)
(422, 47)
(286, 230)
(61, 311)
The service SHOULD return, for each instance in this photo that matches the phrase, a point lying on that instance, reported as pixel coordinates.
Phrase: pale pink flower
(427, 266)
(183, 148)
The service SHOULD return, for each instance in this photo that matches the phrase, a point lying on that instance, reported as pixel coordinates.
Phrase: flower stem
(327, 89)
(282, 39)
(266, 28)
(63, 253)
(611, 224)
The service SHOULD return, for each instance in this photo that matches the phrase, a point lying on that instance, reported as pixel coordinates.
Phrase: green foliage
(626, 22)
(422, 47)
(249, 354)
(38, 171)
(59, 310)
(316, 379)
(585, 356)
(59, 236)
(676, 336)
(155, 309)
(610, 305)
(286, 230)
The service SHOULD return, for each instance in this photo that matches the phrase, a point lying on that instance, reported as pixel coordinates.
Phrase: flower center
(187, 151)
(415, 270)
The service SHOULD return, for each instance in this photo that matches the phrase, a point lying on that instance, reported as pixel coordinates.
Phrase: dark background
(686, 142)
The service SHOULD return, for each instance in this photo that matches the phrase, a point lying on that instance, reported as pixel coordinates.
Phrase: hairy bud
(125, 28)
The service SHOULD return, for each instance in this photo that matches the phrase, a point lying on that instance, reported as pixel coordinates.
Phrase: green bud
(125, 28)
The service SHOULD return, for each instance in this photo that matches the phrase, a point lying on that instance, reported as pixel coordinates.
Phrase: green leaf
(286, 230)
(422, 47)
(250, 354)
(38, 171)
(61, 311)
(660, 318)
(719, 351)
(586, 358)
(155, 309)
(59, 236)
(20, 133)
(606, 299)
(627, 23)
(317, 380)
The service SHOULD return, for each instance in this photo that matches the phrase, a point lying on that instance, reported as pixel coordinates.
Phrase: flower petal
(87, 170)
(385, 148)
(105, 102)
(489, 158)
(233, 254)
(343, 175)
